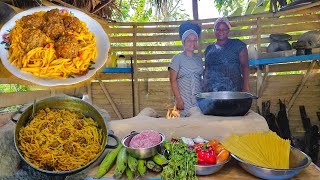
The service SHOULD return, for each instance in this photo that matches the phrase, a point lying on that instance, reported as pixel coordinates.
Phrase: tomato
(210, 157)
(218, 148)
(196, 146)
(213, 143)
(223, 155)
(201, 154)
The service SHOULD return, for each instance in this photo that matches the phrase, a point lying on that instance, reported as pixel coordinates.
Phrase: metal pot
(141, 153)
(65, 102)
(225, 103)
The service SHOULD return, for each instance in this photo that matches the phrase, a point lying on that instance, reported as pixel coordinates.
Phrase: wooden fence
(152, 45)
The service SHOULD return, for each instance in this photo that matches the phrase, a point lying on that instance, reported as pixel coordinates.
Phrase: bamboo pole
(259, 68)
(303, 82)
(135, 74)
(107, 94)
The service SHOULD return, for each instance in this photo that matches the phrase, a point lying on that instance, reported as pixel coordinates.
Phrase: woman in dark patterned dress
(226, 62)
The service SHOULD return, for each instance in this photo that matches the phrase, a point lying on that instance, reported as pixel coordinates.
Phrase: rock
(279, 46)
(10, 159)
(311, 38)
(280, 37)
(279, 42)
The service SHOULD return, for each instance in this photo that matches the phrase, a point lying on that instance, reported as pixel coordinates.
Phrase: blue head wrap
(188, 28)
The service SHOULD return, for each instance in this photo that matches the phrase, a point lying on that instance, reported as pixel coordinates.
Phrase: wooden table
(230, 171)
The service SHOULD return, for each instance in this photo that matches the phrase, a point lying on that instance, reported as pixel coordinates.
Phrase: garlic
(198, 140)
(187, 141)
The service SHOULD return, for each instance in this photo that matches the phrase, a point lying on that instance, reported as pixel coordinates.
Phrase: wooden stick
(261, 88)
(303, 82)
(74, 7)
(89, 92)
(101, 5)
(136, 73)
(116, 110)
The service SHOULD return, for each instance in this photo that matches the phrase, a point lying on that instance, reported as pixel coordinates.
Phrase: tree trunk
(195, 9)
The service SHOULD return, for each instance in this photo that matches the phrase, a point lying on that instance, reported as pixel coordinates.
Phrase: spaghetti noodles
(52, 44)
(264, 149)
(60, 140)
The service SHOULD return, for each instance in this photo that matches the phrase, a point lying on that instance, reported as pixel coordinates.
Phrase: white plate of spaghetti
(53, 46)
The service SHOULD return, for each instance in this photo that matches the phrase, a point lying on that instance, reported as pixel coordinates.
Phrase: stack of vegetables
(126, 164)
(182, 153)
(208, 152)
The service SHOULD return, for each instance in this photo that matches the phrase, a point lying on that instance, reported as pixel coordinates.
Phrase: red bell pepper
(206, 156)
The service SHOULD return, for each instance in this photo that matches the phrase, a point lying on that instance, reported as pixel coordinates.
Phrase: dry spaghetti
(264, 149)
(52, 44)
(60, 140)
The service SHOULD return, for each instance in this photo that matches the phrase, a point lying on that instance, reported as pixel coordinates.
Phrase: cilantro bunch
(181, 162)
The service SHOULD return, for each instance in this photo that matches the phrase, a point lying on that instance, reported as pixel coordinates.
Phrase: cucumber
(121, 164)
(108, 161)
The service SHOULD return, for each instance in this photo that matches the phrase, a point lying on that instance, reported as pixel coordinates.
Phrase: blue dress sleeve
(240, 44)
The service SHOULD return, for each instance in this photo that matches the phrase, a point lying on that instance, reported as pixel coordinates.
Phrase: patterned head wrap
(224, 20)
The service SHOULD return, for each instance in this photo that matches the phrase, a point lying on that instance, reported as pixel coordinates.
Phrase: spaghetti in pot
(60, 140)
(52, 44)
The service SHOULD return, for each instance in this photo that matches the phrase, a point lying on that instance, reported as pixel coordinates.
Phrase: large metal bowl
(65, 102)
(210, 169)
(225, 103)
(141, 153)
(297, 162)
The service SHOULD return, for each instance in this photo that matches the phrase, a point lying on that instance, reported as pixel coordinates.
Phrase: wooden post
(135, 73)
(200, 44)
(259, 68)
(195, 9)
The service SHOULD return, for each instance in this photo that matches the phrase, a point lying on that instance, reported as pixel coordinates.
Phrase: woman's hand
(179, 103)
(245, 69)
(245, 88)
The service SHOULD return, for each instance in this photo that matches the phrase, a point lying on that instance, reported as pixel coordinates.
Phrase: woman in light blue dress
(186, 69)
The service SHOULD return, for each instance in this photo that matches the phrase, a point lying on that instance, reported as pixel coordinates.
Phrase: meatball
(81, 140)
(49, 165)
(78, 124)
(43, 126)
(54, 144)
(32, 21)
(64, 134)
(27, 139)
(53, 16)
(34, 38)
(53, 30)
(67, 47)
(72, 24)
(68, 147)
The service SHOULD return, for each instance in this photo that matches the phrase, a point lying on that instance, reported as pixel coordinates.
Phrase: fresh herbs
(181, 162)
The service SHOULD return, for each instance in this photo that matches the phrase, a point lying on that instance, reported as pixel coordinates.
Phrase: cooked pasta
(52, 44)
(264, 149)
(60, 140)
